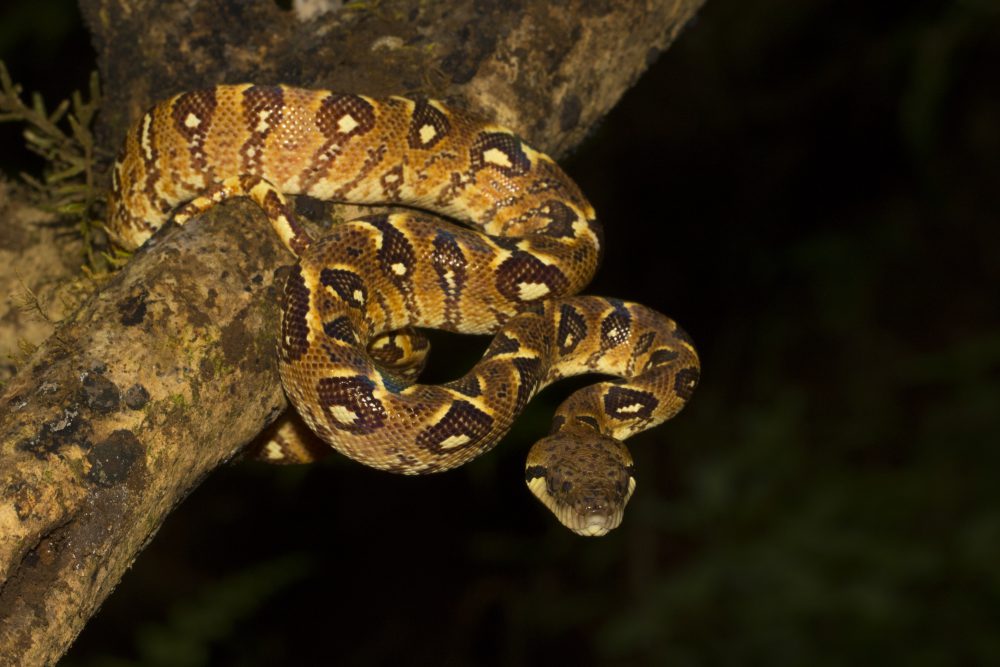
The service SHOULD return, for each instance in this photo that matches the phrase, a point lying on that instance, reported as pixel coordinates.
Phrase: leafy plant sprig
(67, 183)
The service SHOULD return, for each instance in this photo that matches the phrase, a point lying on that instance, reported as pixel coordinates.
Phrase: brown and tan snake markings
(340, 329)
(349, 355)
(451, 267)
(625, 403)
(572, 329)
(461, 426)
(294, 327)
(349, 286)
(469, 385)
(524, 277)
(428, 125)
(192, 118)
(616, 326)
(351, 404)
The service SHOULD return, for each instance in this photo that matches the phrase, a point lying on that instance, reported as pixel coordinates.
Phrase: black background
(810, 189)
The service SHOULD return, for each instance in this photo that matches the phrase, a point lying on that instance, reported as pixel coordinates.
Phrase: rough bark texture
(40, 277)
(169, 369)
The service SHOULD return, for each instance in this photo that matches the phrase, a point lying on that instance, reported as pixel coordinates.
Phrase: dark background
(810, 188)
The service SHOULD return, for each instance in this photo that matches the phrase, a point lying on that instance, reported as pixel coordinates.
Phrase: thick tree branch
(169, 370)
(40, 277)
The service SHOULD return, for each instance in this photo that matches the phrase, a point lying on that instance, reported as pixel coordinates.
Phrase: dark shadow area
(810, 189)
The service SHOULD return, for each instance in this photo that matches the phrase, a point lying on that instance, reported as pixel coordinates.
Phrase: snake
(493, 237)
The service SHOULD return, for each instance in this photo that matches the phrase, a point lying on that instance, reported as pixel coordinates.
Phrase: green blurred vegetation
(811, 190)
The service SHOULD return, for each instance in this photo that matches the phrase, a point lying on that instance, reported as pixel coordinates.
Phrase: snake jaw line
(598, 525)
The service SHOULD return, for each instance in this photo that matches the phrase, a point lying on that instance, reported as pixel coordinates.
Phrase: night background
(811, 190)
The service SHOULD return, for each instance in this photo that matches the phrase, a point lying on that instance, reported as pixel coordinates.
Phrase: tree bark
(40, 276)
(169, 369)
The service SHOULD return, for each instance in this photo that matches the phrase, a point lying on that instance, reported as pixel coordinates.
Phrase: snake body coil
(347, 353)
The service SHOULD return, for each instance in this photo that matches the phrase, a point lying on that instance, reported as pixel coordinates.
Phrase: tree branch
(170, 369)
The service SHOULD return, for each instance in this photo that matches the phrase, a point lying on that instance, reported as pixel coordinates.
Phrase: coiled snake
(348, 356)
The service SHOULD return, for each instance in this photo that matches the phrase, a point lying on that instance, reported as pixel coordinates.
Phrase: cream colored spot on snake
(192, 121)
(454, 441)
(147, 144)
(399, 269)
(635, 407)
(272, 451)
(531, 291)
(534, 156)
(391, 177)
(497, 157)
(342, 414)
(427, 134)
(262, 124)
(346, 123)
(449, 278)
(260, 190)
(284, 230)
(689, 347)
(359, 296)
(581, 228)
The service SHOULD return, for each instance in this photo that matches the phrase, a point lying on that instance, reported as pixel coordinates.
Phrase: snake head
(584, 478)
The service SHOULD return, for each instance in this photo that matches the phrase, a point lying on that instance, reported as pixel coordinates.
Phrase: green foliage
(63, 138)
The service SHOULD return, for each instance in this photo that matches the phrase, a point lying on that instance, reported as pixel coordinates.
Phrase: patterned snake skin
(347, 353)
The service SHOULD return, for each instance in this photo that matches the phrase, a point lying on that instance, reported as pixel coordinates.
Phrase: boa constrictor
(348, 356)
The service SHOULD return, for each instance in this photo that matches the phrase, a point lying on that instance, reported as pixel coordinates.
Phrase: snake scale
(348, 352)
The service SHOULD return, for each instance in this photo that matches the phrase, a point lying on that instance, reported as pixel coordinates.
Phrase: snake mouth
(594, 524)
